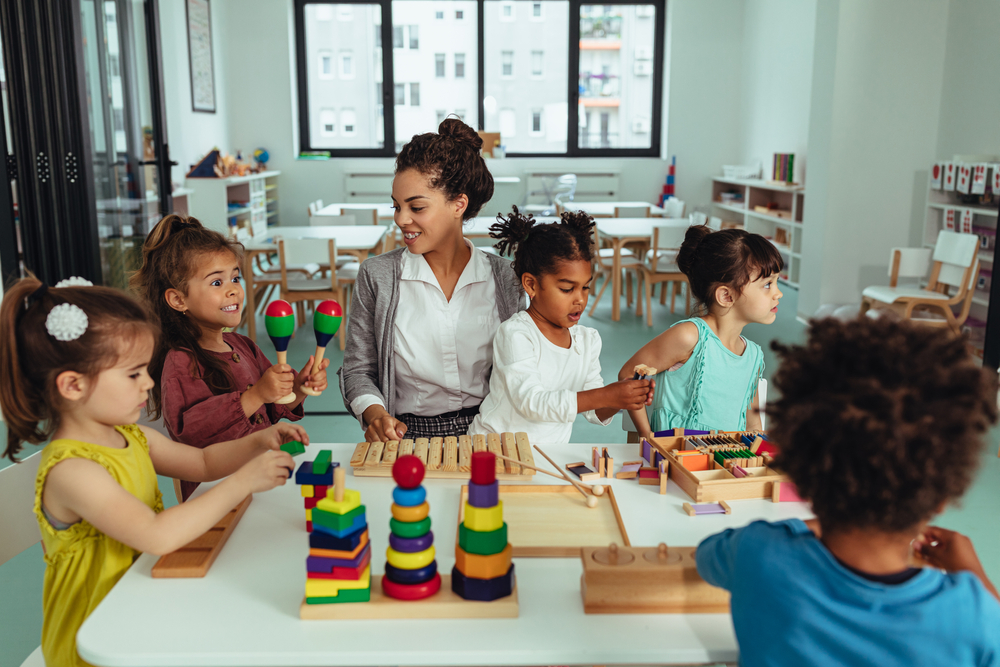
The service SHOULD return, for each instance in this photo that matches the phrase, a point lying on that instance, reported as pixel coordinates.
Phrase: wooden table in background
(621, 231)
(606, 209)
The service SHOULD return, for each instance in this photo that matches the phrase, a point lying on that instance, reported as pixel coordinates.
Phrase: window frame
(573, 149)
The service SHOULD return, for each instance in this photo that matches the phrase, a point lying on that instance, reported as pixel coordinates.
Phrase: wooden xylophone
(446, 458)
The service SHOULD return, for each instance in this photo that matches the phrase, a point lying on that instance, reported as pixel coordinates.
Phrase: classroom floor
(21, 578)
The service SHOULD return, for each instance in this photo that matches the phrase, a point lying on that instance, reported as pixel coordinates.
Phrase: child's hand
(277, 382)
(306, 378)
(273, 437)
(947, 550)
(266, 471)
(629, 394)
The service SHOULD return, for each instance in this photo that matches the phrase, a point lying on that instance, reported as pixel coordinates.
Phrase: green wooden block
(410, 529)
(322, 462)
(336, 521)
(482, 543)
(294, 448)
(346, 595)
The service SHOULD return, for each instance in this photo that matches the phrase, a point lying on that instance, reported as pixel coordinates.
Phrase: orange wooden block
(483, 567)
(697, 462)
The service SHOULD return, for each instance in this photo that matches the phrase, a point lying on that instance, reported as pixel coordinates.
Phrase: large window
(554, 77)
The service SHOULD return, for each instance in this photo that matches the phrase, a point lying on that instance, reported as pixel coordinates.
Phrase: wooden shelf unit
(210, 198)
(784, 229)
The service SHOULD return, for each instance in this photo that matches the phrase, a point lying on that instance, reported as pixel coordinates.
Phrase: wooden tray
(554, 521)
(196, 557)
(446, 458)
(443, 604)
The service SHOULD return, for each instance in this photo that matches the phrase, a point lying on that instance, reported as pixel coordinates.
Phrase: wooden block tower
(410, 569)
(483, 568)
(315, 479)
(339, 563)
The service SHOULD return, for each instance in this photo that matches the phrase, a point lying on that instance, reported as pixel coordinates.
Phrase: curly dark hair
(538, 248)
(880, 422)
(452, 160)
(732, 257)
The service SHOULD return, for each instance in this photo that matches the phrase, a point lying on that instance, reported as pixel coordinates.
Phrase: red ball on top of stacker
(483, 468)
(408, 471)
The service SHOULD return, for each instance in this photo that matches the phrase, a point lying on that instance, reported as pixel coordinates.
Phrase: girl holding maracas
(211, 385)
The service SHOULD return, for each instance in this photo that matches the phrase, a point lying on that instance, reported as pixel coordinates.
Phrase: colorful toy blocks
(338, 568)
(483, 568)
(315, 479)
(411, 568)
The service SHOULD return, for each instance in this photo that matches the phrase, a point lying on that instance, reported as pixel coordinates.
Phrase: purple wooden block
(411, 545)
(484, 495)
(712, 508)
(320, 564)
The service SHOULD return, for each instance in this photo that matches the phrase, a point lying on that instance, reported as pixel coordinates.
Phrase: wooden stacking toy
(338, 568)
(326, 322)
(410, 569)
(279, 320)
(483, 568)
(315, 478)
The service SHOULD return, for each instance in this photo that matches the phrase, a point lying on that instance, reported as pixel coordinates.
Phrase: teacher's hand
(382, 427)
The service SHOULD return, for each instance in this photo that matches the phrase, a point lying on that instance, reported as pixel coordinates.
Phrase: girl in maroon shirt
(212, 385)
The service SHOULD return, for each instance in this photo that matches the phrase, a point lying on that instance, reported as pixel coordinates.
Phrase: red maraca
(326, 322)
(279, 320)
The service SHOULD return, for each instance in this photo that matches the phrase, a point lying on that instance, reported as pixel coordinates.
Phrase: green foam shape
(482, 543)
(295, 448)
(279, 327)
(346, 595)
(336, 521)
(322, 462)
(410, 529)
(327, 324)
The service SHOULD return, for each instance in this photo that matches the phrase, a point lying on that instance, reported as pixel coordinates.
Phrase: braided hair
(538, 248)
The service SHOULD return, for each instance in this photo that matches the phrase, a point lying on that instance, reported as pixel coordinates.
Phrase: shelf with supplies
(768, 208)
(239, 206)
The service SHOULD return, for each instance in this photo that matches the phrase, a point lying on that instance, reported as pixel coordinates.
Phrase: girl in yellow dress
(73, 369)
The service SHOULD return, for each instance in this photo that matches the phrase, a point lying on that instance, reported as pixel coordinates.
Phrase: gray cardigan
(369, 359)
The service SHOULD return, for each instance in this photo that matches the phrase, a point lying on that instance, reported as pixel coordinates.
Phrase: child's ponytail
(512, 231)
(23, 408)
(538, 248)
(731, 257)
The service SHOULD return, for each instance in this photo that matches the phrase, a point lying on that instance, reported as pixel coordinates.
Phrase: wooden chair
(632, 212)
(362, 214)
(332, 220)
(661, 266)
(300, 290)
(953, 264)
(18, 523)
(604, 265)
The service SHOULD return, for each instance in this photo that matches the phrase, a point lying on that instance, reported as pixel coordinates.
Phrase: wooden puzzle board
(554, 521)
(196, 557)
(443, 604)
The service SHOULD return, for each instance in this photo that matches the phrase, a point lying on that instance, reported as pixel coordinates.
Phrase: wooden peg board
(443, 604)
(554, 521)
(446, 458)
(716, 483)
(641, 581)
(195, 558)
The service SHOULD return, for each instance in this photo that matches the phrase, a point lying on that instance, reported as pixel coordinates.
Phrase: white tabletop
(607, 208)
(245, 611)
(384, 210)
(481, 226)
(348, 237)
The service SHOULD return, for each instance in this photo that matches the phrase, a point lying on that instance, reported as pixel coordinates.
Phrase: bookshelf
(241, 206)
(736, 201)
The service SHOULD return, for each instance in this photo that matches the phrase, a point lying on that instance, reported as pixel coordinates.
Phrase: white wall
(875, 109)
(192, 134)
(777, 70)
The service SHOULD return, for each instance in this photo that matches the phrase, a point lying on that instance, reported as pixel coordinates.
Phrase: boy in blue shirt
(879, 426)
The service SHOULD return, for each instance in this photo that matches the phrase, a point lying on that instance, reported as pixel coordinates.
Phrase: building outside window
(459, 65)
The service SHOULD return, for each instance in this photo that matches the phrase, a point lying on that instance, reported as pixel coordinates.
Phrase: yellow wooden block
(309, 514)
(351, 501)
(308, 490)
(413, 561)
(483, 567)
(484, 519)
(411, 514)
(328, 588)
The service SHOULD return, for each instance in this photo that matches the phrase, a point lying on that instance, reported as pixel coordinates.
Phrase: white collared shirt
(443, 349)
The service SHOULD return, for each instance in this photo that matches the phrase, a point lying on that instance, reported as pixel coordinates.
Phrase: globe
(261, 156)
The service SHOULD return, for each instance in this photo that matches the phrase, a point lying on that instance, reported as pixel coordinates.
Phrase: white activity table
(384, 212)
(245, 611)
(479, 228)
(606, 209)
(620, 231)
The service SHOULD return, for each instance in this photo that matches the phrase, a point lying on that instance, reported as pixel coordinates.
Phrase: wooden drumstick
(596, 489)
(591, 500)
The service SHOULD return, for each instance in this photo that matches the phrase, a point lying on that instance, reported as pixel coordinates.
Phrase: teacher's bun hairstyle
(731, 257)
(539, 248)
(453, 162)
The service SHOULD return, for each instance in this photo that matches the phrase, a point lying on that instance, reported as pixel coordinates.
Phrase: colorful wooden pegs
(279, 320)
(326, 322)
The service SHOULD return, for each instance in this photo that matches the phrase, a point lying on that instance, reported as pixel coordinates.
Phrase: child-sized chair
(336, 286)
(18, 524)
(953, 264)
(661, 266)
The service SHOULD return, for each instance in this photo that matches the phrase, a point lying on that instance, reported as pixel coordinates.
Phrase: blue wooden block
(400, 576)
(359, 523)
(484, 495)
(409, 497)
(411, 545)
(305, 475)
(348, 542)
(483, 590)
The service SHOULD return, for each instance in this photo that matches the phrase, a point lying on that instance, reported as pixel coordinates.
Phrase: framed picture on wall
(199, 29)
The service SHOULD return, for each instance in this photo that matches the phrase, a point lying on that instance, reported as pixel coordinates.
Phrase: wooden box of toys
(711, 467)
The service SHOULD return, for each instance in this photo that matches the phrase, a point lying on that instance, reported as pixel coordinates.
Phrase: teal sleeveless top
(712, 390)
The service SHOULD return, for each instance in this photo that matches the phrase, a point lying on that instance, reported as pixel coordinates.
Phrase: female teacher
(420, 334)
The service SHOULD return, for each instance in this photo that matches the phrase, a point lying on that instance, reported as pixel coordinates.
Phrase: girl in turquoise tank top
(709, 371)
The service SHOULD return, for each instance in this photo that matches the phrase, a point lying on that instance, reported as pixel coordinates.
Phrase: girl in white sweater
(546, 369)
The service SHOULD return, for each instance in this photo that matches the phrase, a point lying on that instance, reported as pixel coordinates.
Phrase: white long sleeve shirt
(534, 383)
(443, 349)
